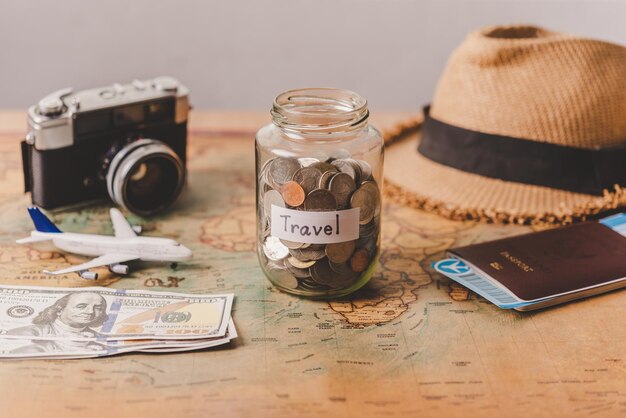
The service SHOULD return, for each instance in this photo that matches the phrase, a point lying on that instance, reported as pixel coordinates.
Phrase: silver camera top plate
(50, 121)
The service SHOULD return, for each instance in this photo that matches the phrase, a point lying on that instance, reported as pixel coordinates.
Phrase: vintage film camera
(125, 141)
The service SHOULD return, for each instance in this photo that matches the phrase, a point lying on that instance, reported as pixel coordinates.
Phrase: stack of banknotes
(63, 323)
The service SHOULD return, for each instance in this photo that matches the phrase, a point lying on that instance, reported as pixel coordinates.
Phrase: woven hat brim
(420, 182)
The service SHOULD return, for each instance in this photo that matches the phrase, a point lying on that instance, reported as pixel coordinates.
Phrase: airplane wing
(103, 260)
(120, 225)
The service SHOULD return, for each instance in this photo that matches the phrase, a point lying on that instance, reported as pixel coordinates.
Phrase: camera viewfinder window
(91, 122)
(128, 115)
(160, 110)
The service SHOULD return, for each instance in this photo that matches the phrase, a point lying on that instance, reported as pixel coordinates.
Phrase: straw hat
(526, 126)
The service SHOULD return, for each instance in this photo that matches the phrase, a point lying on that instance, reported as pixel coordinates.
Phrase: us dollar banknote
(21, 348)
(97, 314)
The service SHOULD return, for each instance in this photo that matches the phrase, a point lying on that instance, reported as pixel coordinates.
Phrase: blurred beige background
(238, 54)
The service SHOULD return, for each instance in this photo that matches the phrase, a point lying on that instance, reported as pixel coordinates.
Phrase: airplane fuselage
(145, 248)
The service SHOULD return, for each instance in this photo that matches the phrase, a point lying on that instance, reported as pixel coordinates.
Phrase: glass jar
(319, 175)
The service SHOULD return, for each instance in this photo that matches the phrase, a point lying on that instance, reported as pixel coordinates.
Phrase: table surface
(410, 343)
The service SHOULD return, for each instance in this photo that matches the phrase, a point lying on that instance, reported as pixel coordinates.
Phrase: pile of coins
(310, 184)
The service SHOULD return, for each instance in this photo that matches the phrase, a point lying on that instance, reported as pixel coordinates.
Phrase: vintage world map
(409, 344)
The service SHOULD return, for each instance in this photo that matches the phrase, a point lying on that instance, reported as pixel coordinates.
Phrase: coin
(366, 169)
(311, 286)
(366, 230)
(307, 254)
(306, 161)
(359, 260)
(298, 272)
(325, 178)
(283, 278)
(320, 200)
(344, 275)
(291, 244)
(362, 198)
(342, 185)
(358, 171)
(274, 249)
(308, 178)
(270, 198)
(345, 167)
(340, 252)
(292, 193)
(281, 170)
(321, 273)
(372, 189)
(324, 167)
(300, 264)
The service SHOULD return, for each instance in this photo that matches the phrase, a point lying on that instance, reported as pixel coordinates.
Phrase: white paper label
(315, 227)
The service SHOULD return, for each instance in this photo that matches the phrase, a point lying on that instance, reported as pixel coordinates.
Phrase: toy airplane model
(111, 251)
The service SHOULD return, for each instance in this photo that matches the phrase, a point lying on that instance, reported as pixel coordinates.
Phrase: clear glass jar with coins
(319, 176)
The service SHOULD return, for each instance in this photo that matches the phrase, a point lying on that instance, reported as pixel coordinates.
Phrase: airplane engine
(89, 275)
(119, 268)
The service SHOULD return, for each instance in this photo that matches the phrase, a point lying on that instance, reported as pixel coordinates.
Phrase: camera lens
(145, 177)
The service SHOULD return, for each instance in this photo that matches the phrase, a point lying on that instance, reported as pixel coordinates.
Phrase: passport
(544, 268)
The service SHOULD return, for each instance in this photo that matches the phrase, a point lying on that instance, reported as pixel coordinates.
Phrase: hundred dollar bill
(13, 348)
(100, 314)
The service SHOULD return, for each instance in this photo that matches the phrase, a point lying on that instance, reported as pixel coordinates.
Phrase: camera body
(72, 152)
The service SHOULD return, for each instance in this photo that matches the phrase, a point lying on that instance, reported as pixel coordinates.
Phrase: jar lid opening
(319, 111)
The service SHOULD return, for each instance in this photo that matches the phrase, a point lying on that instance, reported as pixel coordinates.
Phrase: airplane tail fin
(42, 223)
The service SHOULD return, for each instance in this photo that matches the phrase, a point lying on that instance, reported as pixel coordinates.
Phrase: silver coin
(263, 173)
(300, 264)
(344, 275)
(308, 178)
(324, 167)
(340, 268)
(283, 278)
(325, 178)
(281, 170)
(358, 171)
(367, 198)
(291, 244)
(342, 185)
(366, 170)
(322, 274)
(298, 272)
(311, 286)
(274, 249)
(368, 229)
(305, 162)
(345, 167)
(372, 188)
(308, 254)
(320, 200)
(270, 198)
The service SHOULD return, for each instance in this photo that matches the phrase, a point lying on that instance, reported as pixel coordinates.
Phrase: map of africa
(409, 344)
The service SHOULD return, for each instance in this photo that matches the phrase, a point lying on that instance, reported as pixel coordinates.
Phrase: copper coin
(292, 193)
(359, 260)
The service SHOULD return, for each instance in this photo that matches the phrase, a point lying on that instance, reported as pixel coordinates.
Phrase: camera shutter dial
(52, 104)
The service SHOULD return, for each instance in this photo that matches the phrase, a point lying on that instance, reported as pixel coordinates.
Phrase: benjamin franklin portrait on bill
(75, 315)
